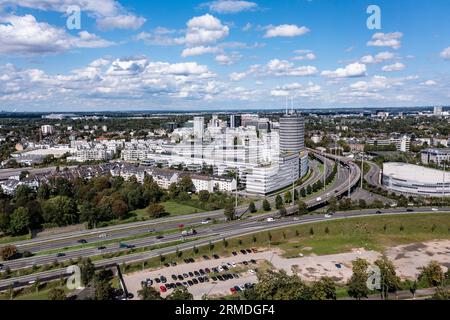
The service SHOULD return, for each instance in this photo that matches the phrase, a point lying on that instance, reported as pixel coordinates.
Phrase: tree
(362, 204)
(278, 202)
(8, 252)
(185, 184)
(230, 212)
(204, 196)
(20, 221)
(324, 289)
(432, 274)
(302, 208)
(57, 294)
(104, 290)
(303, 192)
(278, 286)
(309, 189)
(87, 270)
(149, 293)
(288, 197)
(332, 205)
(357, 285)
(119, 209)
(252, 207)
(155, 211)
(60, 210)
(180, 294)
(266, 205)
(390, 282)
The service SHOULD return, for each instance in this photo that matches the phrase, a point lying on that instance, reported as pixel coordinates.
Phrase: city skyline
(221, 55)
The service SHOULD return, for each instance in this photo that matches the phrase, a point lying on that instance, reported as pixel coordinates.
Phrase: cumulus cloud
(394, 67)
(278, 67)
(127, 21)
(296, 90)
(380, 57)
(429, 83)
(230, 6)
(109, 14)
(446, 54)
(205, 29)
(392, 40)
(285, 30)
(24, 35)
(304, 55)
(131, 78)
(350, 71)
(198, 51)
(227, 59)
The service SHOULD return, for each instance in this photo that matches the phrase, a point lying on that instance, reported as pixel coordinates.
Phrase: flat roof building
(416, 180)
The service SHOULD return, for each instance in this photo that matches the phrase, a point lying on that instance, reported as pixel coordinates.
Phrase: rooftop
(414, 173)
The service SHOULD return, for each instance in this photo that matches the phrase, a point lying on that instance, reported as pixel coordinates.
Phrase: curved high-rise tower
(292, 134)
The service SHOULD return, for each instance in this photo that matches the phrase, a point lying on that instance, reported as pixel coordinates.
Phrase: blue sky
(222, 54)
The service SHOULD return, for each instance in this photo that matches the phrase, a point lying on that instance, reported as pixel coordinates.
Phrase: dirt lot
(408, 260)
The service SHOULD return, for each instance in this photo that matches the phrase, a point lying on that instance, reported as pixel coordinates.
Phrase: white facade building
(416, 180)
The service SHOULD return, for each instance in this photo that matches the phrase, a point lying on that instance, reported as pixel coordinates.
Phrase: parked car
(174, 277)
(216, 257)
(205, 257)
(234, 253)
(233, 290)
(163, 289)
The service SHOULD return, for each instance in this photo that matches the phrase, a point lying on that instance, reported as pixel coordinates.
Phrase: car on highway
(378, 212)
(319, 199)
(60, 255)
(328, 216)
(159, 237)
(126, 246)
(205, 222)
(82, 241)
(101, 248)
(409, 210)
(435, 209)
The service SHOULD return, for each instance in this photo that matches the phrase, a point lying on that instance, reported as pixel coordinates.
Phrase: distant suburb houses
(163, 177)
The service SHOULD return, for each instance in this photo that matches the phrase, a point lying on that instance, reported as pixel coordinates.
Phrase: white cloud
(304, 55)
(131, 78)
(237, 76)
(205, 29)
(127, 21)
(228, 60)
(108, 13)
(231, 6)
(285, 30)
(380, 57)
(446, 54)
(278, 67)
(394, 67)
(25, 36)
(392, 40)
(198, 51)
(296, 90)
(429, 83)
(350, 71)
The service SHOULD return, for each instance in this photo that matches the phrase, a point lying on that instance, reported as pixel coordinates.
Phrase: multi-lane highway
(213, 233)
(147, 231)
(71, 239)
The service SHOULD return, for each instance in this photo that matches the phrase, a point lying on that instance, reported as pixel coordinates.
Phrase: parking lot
(206, 275)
